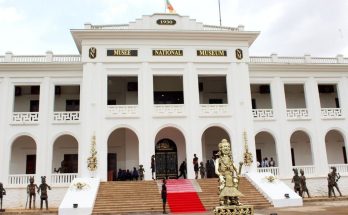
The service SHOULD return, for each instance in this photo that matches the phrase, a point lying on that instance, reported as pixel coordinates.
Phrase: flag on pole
(170, 7)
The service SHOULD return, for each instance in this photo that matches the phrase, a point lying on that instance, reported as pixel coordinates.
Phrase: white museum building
(169, 86)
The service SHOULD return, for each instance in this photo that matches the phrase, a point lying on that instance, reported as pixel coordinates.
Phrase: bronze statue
(31, 194)
(43, 188)
(141, 172)
(228, 176)
(303, 184)
(332, 179)
(297, 182)
(2, 193)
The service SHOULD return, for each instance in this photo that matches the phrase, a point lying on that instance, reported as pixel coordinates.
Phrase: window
(111, 101)
(72, 105)
(34, 105)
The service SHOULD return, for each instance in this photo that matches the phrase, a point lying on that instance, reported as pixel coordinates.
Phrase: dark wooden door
(30, 164)
(112, 166)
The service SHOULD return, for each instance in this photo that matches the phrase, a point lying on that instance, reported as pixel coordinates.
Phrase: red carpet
(182, 197)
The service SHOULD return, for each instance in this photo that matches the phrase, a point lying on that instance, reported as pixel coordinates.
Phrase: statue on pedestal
(297, 182)
(31, 193)
(2, 193)
(43, 188)
(332, 180)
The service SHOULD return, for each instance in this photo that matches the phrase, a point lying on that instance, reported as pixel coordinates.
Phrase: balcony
(331, 113)
(297, 114)
(341, 168)
(123, 111)
(66, 117)
(273, 170)
(19, 118)
(213, 110)
(308, 170)
(63, 178)
(169, 110)
(19, 179)
(263, 114)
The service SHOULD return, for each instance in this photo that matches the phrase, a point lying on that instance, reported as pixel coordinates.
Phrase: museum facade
(169, 86)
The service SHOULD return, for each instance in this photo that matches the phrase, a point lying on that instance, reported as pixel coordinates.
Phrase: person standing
(195, 165)
(2, 193)
(153, 166)
(202, 170)
(164, 195)
(182, 170)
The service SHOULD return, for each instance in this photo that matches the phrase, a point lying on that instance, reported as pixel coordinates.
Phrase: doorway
(31, 164)
(112, 166)
(166, 159)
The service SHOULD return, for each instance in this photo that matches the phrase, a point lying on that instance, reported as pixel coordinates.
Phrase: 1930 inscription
(166, 21)
(122, 52)
(167, 52)
(216, 53)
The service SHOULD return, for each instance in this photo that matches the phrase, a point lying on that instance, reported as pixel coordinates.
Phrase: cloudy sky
(288, 27)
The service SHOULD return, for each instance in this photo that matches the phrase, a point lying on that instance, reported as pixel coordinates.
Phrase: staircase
(210, 199)
(127, 197)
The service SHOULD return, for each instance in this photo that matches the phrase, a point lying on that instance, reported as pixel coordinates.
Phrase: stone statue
(303, 184)
(141, 172)
(31, 194)
(43, 188)
(332, 180)
(2, 193)
(297, 182)
(228, 176)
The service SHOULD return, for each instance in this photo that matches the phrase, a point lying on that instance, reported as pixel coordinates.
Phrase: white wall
(21, 147)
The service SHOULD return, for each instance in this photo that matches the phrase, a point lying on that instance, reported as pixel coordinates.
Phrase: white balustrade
(19, 179)
(63, 178)
(297, 114)
(66, 117)
(308, 170)
(110, 27)
(169, 110)
(273, 170)
(41, 59)
(25, 117)
(263, 114)
(295, 60)
(342, 169)
(123, 111)
(66, 58)
(331, 113)
(214, 110)
(218, 28)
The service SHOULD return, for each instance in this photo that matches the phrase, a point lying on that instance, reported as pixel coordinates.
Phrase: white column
(342, 88)
(317, 138)
(282, 138)
(5, 112)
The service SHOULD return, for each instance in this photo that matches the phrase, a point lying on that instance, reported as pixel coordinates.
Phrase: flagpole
(219, 13)
(165, 6)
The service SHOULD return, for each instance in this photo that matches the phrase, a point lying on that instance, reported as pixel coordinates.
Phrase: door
(259, 156)
(112, 166)
(31, 164)
(71, 162)
(166, 159)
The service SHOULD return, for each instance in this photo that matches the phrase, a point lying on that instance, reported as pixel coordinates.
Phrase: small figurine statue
(141, 172)
(31, 193)
(297, 182)
(332, 179)
(303, 184)
(43, 188)
(228, 176)
(202, 170)
(2, 193)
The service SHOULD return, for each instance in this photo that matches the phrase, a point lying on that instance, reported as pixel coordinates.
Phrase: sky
(288, 27)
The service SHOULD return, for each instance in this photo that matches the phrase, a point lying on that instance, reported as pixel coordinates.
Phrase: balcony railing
(214, 110)
(25, 117)
(123, 111)
(66, 117)
(297, 114)
(342, 169)
(331, 113)
(169, 110)
(63, 178)
(273, 170)
(263, 114)
(19, 179)
(308, 170)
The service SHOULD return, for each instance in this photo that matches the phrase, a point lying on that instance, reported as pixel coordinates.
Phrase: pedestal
(234, 210)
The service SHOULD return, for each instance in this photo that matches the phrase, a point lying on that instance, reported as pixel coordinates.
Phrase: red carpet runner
(182, 196)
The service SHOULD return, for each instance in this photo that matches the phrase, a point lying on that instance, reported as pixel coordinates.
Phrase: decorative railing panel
(214, 110)
(297, 114)
(263, 114)
(169, 110)
(296, 60)
(25, 117)
(331, 113)
(342, 169)
(63, 178)
(66, 58)
(273, 170)
(66, 117)
(308, 170)
(123, 110)
(19, 179)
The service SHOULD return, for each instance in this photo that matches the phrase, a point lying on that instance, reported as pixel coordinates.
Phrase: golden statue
(228, 176)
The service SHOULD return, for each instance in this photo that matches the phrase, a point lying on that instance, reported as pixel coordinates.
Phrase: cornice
(40, 67)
